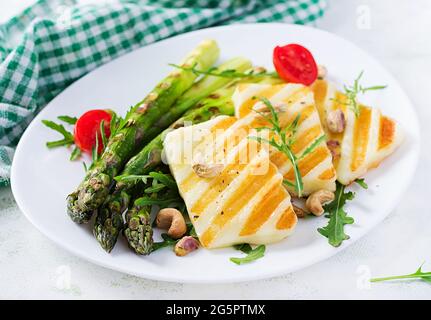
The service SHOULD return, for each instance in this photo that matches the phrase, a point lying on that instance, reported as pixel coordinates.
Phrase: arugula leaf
(362, 183)
(58, 143)
(103, 133)
(94, 151)
(352, 92)
(288, 183)
(95, 156)
(162, 202)
(68, 119)
(167, 242)
(67, 136)
(165, 179)
(229, 73)
(117, 123)
(313, 146)
(76, 153)
(286, 138)
(251, 256)
(419, 274)
(57, 127)
(122, 122)
(132, 177)
(170, 198)
(338, 218)
(244, 247)
(114, 124)
(159, 178)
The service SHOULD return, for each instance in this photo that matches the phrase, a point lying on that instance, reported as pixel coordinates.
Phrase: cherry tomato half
(294, 63)
(86, 128)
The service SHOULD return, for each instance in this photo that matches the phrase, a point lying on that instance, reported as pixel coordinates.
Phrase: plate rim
(416, 142)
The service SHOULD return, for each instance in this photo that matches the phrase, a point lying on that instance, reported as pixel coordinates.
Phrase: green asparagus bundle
(135, 133)
(109, 222)
(139, 232)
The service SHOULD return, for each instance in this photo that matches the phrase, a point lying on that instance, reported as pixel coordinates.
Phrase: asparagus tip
(139, 233)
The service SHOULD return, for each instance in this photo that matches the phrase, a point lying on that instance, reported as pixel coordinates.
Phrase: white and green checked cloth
(54, 42)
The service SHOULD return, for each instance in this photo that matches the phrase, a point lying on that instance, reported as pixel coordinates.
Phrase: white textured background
(398, 33)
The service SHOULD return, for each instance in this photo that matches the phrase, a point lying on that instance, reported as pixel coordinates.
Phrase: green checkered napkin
(54, 42)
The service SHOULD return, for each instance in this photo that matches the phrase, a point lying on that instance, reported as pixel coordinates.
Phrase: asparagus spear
(126, 141)
(200, 90)
(109, 222)
(139, 232)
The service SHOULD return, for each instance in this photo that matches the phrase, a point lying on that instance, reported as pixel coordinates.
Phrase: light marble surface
(398, 35)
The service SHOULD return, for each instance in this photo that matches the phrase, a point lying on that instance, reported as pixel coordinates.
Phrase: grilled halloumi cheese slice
(245, 201)
(367, 139)
(291, 101)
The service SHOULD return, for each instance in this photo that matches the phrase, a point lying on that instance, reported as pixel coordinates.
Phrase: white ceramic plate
(42, 178)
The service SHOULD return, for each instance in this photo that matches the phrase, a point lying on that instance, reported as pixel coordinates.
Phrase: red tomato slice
(294, 63)
(86, 128)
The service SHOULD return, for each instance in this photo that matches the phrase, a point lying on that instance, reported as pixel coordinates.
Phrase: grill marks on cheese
(234, 133)
(308, 163)
(263, 91)
(291, 100)
(327, 174)
(306, 138)
(237, 201)
(246, 202)
(287, 219)
(361, 134)
(219, 183)
(367, 140)
(386, 132)
(262, 211)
